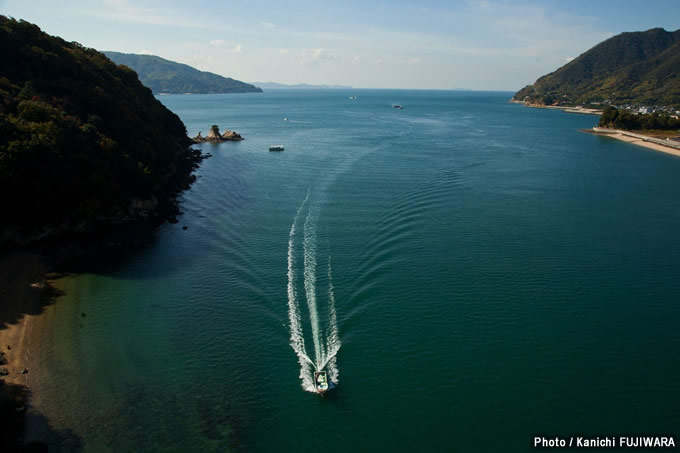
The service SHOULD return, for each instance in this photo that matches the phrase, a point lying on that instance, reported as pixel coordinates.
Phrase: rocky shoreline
(142, 214)
(568, 109)
(27, 255)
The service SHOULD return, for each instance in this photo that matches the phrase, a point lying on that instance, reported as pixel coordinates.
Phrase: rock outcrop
(214, 136)
(232, 135)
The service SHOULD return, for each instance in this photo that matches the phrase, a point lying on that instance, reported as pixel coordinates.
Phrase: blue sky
(484, 45)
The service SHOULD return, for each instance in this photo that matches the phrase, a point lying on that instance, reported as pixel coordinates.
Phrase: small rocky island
(214, 136)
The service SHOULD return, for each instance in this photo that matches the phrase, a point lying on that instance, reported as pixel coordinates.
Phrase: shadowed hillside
(82, 141)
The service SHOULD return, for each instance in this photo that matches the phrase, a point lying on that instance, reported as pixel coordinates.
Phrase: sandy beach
(639, 139)
(24, 294)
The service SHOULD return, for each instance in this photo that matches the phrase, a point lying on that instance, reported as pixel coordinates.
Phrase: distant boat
(285, 118)
(321, 382)
(397, 106)
(276, 148)
(352, 97)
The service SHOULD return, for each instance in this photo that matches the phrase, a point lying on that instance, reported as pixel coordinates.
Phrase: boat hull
(321, 385)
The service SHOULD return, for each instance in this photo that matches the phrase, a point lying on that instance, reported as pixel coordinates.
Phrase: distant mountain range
(640, 68)
(301, 86)
(165, 76)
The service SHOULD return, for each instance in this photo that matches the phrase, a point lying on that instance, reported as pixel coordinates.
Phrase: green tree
(80, 137)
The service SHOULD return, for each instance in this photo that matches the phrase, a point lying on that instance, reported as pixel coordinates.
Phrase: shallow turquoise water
(496, 272)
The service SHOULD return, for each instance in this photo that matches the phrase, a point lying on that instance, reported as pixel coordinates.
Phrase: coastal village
(596, 107)
(667, 141)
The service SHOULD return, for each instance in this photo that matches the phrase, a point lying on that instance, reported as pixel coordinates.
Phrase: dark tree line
(623, 119)
(79, 136)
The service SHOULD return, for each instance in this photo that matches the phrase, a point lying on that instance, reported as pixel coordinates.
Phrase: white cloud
(323, 54)
(496, 29)
(315, 56)
(125, 11)
(384, 60)
(238, 48)
(470, 43)
(302, 58)
(158, 13)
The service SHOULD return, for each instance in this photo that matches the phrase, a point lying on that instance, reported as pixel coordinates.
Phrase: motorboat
(321, 382)
(276, 148)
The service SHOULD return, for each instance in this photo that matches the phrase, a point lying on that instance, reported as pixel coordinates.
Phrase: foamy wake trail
(309, 246)
(324, 351)
(332, 335)
(297, 340)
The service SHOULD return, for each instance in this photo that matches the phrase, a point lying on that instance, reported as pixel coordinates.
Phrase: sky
(479, 45)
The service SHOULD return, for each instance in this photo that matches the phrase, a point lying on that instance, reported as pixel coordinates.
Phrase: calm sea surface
(488, 272)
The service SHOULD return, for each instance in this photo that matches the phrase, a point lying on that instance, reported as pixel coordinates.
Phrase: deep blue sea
(469, 271)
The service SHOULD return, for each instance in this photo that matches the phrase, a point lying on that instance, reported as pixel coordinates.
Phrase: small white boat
(276, 148)
(321, 382)
(352, 97)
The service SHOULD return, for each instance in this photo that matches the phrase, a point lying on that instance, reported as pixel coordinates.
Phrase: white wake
(309, 246)
(326, 343)
(297, 340)
(332, 337)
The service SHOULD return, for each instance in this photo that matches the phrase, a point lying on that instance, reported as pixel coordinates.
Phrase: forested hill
(165, 76)
(82, 141)
(640, 68)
